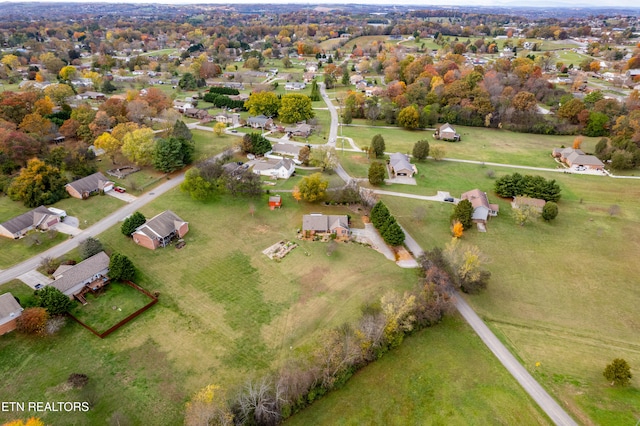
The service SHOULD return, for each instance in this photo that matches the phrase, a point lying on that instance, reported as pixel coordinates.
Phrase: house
(316, 223)
(160, 230)
(226, 118)
(401, 166)
(92, 95)
(535, 203)
(308, 77)
(72, 279)
(181, 106)
(39, 218)
(447, 133)
(200, 114)
(294, 86)
(287, 149)
(577, 159)
(275, 201)
(275, 168)
(260, 122)
(482, 210)
(355, 79)
(10, 310)
(300, 129)
(89, 185)
(311, 67)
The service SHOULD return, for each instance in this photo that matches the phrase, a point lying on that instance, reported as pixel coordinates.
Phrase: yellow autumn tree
(457, 229)
(33, 421)
(577, 142)
(208, 407)
(296, 193)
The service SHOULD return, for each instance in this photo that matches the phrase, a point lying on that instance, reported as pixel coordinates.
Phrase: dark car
(39, 286)
(449, 199)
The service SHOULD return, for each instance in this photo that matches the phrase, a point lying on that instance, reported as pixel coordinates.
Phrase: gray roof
(324, 223)
(161, 225)
(89, 183)
(31, 218)
(9, 305)
(287, 148)
(82, 271)
(273, 164)
(400, 162)
(260, 120)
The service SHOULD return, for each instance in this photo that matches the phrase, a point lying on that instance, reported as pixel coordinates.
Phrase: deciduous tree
(550, 211)
(32, 321)
(218, 129)
(109, 144)
(378, 145)
(208, 407)
(130, 224)
(263, 103)
(437, 152)
(138, 146)
(37, 184)
(313, 187)
(409, 117)
(295, 107)
(90, 247)
(457, 229)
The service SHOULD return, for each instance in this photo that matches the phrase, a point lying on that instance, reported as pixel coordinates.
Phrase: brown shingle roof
(94, 182)
(161, 225)
(9, 305)
(28, 219)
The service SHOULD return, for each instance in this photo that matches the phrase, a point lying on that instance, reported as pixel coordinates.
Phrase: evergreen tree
(54, 301)
(121, 268)
(378, 146)
(463, 213)
(315, 92)
(181, 131)
(131, 223)
(550, 211)
(421, 150)
(377, 173)
(392, 233)
(379, 214)
(90, 247)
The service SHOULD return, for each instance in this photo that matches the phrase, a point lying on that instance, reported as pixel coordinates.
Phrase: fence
(110, 330)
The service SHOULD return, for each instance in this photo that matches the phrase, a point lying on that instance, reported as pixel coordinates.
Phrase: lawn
(92, 209)
(561, 293)
(479, 144)
(447, 376)
(225, 312)
(99, 312)
(16, 251)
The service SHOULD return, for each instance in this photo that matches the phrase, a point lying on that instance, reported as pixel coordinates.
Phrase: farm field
(546, 297)
(447, 376)
(238, 312)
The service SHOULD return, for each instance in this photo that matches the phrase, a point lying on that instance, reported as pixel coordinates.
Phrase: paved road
(533, 388)
(99, 227)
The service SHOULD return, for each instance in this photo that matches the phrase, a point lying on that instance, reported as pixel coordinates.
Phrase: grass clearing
(441, 375)
(115, 303)
(237, 312)
(546, 296)
(16, 251)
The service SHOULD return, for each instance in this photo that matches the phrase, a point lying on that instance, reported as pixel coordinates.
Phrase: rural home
(89, 185)
(482, 210)
(287, 149)
(260, 122)
(576, 158)
(181, 107)
(92, 95)
(72, 279)
(39, 218)
(446, 133)
(300, 129)
(160, 230)
(10, 310)
(226, 118)
(200, 114)
(294, 86)
(275, 168)
(275, 201)
(536, 203)
(400, 165)
(317, 223)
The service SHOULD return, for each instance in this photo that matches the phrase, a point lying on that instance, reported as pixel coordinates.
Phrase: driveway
(70, 226)
(126, 197)
(370, 236)
(32, 278)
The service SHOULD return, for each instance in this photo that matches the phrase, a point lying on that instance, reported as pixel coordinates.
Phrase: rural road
(549, 405)
(555, 412)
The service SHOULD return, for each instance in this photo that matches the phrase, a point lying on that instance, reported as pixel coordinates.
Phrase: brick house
(39, 218)
(160, 230)
(316, 223)
(89, 185)
(10, 310)
(401, 166)
(482, 209)
(446, 133)
(72, 279)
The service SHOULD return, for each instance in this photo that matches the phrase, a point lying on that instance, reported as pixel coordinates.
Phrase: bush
(421, 150)
(131, 223)
(32, 321)
(550, 211)
(618, 372)
(54, 301)
(377, 173)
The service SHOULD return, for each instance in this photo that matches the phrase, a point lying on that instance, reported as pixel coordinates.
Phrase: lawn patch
(114, 306)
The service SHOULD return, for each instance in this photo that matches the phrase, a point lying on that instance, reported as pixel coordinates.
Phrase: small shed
(275, 201)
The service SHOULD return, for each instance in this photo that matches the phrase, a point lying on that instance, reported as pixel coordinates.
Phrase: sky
(417, 3)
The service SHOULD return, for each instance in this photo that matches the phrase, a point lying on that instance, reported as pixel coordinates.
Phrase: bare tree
(259, 403)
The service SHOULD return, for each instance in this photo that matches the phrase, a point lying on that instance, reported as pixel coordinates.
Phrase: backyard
(113, 304)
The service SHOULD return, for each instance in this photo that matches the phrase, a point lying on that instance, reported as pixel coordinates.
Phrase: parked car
(449, 199)
(39, 286)
(120, 189)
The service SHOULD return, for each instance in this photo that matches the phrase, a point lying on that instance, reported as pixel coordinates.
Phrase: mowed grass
(561, 293)
(16, 251)
(441, 375)
(225, 313)
(115, 303)
(91, 210)
(478, 144)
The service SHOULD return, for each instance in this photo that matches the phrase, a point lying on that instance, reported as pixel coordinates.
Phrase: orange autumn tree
(577, 142)
(296, 193)
(33, 421)
(457, 229)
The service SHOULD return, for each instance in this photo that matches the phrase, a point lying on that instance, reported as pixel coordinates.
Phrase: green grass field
(236, 311)
(442, 375)
(99, 312)
(561, 293)
(479, 144)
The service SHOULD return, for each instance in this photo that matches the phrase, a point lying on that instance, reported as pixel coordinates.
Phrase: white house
(275, 168)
